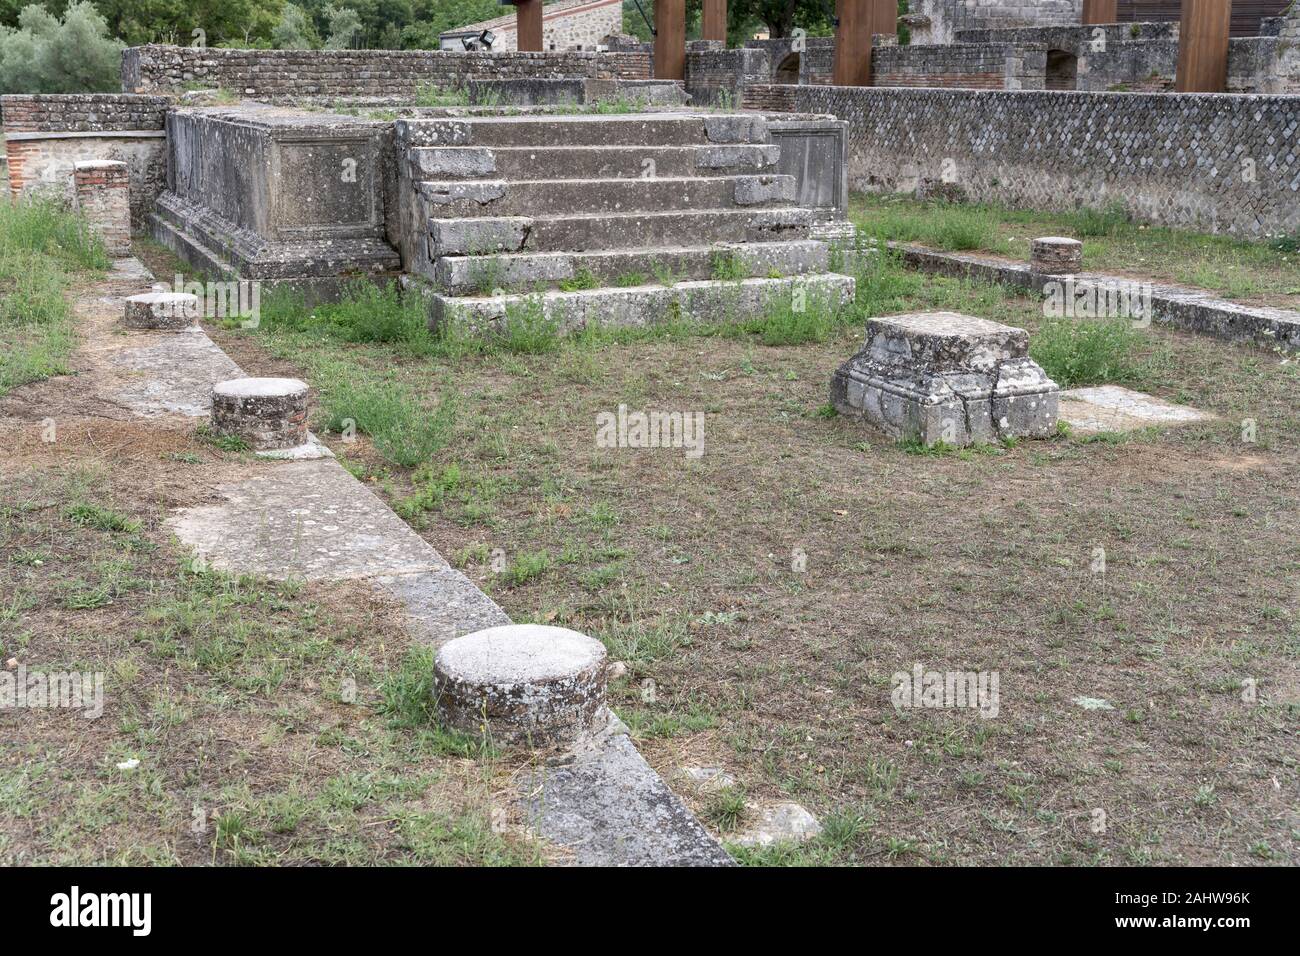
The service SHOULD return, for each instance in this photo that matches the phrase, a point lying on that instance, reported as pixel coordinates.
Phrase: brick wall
(46, 135)
(1104, 59)
(771, 97)
(101, 191)
(345, 74)
(1226, 163)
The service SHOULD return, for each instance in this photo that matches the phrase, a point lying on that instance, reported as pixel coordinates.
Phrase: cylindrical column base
(522, 684)
(268, 413)
(161, 311)
(1056, 255)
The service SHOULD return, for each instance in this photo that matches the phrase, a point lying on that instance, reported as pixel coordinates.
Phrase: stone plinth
(945, 377)
(1056, 255)
(267, 413)
(161, 311)
(101, 191)
(521, 684)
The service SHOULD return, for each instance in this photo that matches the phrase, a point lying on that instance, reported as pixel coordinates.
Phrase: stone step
(580, 233)
(468, 275)
(705, 301)
(585, 129)
(588, 162)
(534, 197)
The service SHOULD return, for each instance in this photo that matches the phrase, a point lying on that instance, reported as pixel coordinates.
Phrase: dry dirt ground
(272, 722)
(1156, 572)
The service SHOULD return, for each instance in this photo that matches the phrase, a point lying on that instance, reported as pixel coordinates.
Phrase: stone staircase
(626, 219)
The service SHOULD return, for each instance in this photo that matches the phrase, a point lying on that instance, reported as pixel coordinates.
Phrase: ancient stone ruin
(939, 377)
(630, 187)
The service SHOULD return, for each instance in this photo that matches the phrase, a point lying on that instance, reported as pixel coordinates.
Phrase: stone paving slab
(1193, 310)
(441, 603)
(1112, 408)
(170, 373)
(310, 520)
(610, 808)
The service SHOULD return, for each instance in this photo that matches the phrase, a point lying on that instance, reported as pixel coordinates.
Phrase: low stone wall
(938, 21)
(349, 74)
(47, 135)
(961, 65)
(716, 76)
(1135, 57)
(1223, 163)
(1264, 65)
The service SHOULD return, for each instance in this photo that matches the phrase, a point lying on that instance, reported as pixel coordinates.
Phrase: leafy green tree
(434, 17)
(295, 31)
(344, 28)
(49, 54)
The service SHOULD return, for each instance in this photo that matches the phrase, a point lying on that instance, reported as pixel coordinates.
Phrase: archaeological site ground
(873, 443)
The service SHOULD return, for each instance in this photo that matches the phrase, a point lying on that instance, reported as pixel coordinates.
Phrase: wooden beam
(1203, 46)
(852, 66)
(670, 39)
(714, 25)
(528, 25)
(1100, 11)
(884, 17)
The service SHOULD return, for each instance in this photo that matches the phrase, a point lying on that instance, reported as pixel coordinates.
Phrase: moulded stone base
(945, 377)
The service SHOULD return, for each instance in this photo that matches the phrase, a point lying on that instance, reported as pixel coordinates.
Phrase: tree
(344, 28)
(781, 17)
(46, 54)
(295, 31)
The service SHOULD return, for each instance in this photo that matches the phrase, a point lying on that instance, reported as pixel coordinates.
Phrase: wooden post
(714, 26)
(853, 44)
(1203, 46)
(670, 39)
(528, 25)
(884, 17)
(1100, 11)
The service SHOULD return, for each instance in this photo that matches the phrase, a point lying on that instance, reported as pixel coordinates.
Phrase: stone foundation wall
(1264, 65)
(46, 135)
(1135, 57)
(961, 65)
(716, 76)
(946, 17)
(273, 75)
(1225, 163)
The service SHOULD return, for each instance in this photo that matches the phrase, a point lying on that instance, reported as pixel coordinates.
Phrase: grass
(404, 430)
(1266, 273)
(682, 569)
(274, 723)
(727, 267)
(42, 245)
(1087, 352)
(953, 228)
(977, 561)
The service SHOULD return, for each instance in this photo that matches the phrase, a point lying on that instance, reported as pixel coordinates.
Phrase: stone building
(935, 21)
(566, 25)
